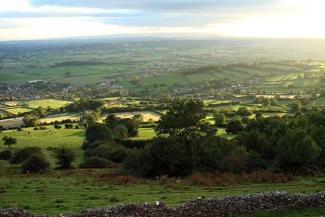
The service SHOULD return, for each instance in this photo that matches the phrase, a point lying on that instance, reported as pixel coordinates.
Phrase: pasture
(147, 115)
(60, 117)
(20, 107)
(44, 103)
(12, 122)
(58, 192)
(145, 133)
(48, 138)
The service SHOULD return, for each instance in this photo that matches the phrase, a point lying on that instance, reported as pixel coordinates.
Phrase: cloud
(21, 19)
(155, 5)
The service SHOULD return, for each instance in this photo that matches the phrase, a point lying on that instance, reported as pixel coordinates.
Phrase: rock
(270, 201)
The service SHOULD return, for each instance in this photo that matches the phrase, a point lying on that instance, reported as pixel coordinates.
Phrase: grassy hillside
(57, 193)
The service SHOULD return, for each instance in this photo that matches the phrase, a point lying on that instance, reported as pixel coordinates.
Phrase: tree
(121, 131)
(163, 156)
(219, 119)
(243, 111)
(64, 158)
(111, 120)
(138, 119)
(9, 141)
(184, 118)
(234, 127)
(90, 118)
(56, 126)
(99, 132)
(31, 121)
(68, 126)
(35, 163)
(132, 125)
(296, 149)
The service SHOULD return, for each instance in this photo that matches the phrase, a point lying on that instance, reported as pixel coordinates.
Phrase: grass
(12, 122)
(58, 192)
(147, 115)
(47, 103)
(145, 133)
(18, 110)
(169, 80)
(70, 138)
(60, 117)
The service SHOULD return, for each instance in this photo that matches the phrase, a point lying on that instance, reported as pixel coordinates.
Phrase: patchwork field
(20, 107)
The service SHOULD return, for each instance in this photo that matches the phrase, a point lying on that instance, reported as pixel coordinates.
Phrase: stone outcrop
(200, 207)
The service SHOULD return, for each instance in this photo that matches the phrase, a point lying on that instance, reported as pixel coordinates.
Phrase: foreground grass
(59, 192)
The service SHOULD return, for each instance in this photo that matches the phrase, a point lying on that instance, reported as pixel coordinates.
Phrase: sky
(43, 19)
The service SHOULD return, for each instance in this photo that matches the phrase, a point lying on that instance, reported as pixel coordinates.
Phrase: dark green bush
(68, 126)
(36, 163)
(5, 155)
(163, 156)
(112, 152)
(64, 158)
(99, 132)
(95, 162)
(23, 154)
(234, 127)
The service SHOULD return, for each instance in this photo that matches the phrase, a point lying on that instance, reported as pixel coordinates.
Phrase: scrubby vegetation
(186, 143)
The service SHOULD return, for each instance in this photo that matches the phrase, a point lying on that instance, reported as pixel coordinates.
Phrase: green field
(71, 138)
(60, 117)
(56, 193)
(145, 133)
(44, 103)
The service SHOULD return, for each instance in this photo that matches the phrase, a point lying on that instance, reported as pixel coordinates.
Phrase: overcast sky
(41, 19)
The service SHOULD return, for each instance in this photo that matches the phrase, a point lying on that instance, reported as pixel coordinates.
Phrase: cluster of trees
(103, 146)
(187, 143)
(85, 105)
(289, 143)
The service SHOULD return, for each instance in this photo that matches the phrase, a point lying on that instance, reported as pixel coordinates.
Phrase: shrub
(23, 154)
(5, 155)
(234, 127)
(243, 111)
(56, 126)
(220, 154)
(297, 149)
(99, 132)
(219, 119)
(64, 158)
(121, 131)
(90, 145)
(36, 163)
(163, 156)
(95, 162)
(112, 152)
(129, 143)
(68, 126)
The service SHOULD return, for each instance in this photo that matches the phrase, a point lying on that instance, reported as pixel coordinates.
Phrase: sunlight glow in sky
(41, 19)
